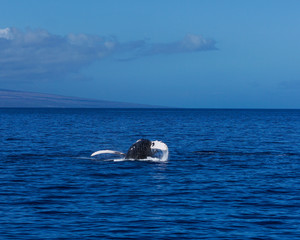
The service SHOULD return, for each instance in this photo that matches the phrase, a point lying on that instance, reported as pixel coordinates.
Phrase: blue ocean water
(231, 174)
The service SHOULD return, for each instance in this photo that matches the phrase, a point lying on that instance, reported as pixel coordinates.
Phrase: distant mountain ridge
(22, 99)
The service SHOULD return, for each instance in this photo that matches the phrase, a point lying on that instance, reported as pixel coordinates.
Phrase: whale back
(141, 149)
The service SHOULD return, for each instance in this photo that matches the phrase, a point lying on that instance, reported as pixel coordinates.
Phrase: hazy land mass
(21, 99)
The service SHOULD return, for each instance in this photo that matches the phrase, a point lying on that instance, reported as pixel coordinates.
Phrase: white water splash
(163, 156)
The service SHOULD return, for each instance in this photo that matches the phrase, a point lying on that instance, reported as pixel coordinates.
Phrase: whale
(141, 149)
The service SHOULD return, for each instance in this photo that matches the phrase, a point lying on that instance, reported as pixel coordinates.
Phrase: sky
(190, 54)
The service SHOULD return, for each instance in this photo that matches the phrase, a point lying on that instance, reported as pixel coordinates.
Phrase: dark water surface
(232, 174)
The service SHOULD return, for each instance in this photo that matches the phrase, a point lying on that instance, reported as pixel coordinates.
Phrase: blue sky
(201, 54)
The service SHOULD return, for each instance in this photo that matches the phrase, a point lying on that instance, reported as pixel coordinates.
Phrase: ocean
(231, 174)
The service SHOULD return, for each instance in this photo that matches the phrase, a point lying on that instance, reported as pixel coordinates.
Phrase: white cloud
(193, 42)
(5, 33)
(38, 54)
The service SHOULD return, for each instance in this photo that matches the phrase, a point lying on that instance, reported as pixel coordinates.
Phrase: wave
(241, 153)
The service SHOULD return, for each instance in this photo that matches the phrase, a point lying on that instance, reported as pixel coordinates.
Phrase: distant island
(21, 99)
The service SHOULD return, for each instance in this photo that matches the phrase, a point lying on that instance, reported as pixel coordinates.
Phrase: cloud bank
(38, 54)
